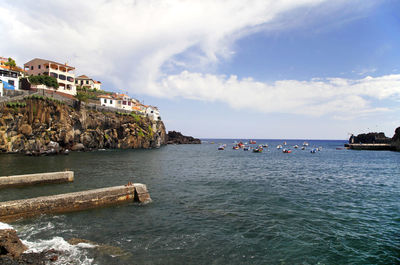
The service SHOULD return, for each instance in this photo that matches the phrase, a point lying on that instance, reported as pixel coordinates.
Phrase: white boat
(305, 144)
(279, 146)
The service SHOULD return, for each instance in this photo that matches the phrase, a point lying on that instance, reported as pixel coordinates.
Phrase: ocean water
(223, 207)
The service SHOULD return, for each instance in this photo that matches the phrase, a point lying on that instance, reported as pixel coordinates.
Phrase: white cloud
(342, 98)
(130, 43)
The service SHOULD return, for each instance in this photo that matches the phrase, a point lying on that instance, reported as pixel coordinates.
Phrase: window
(87, 82)
(11, 82)
(124, 102)
(105, 100)
(39, 66)
(32, 67)
(70, 79)
(54, 75)
(110, 101)
(129, 103)
(62, 77)
(47, 67)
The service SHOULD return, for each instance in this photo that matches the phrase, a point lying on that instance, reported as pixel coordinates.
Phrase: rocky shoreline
(177, 138)
(46, 126)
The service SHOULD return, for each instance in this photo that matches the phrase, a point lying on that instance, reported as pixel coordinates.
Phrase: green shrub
(43, 80)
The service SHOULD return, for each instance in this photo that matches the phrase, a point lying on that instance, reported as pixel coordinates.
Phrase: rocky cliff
(177, 138)
(43, 125)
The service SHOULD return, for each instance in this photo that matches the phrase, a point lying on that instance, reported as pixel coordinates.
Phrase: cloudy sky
(299, 69)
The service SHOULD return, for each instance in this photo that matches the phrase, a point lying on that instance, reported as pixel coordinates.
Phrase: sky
(263, 69)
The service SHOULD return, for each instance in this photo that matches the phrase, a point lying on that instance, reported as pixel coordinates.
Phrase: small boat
(246, 148)
(252, 142)
(279, 146)
(235, 147)
(221, 147)
(286, 151)
(284, 143)
(257, 150)
(303, 148)
(314, 150)
(265, 145)
(296, 146)
(305, 144)
(212, 143)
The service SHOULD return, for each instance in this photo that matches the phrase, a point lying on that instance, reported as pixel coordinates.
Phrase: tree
(11, 63)
(81, 97)
(43, 79)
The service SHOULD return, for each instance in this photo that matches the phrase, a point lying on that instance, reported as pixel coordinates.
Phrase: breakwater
(61, 203)
(40, 178)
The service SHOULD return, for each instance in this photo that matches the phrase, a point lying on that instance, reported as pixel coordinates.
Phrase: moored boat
(286, 151)
(221, 147)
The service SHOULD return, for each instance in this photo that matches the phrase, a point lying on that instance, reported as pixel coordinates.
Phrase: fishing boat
(252, 142)
(284, 143)
(303, 148)
(286, 151)
(314, 150)
(221, 147)
(279, 146)
(296, 146)
(257, 150)
(235, 147)
(246, 148)
(305, 144)
(265, 145)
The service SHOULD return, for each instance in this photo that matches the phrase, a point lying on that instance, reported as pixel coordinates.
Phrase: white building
(9, 78)
(87, 82)
(153, 113)
(62, 72)
(1, 89)
(107, 101)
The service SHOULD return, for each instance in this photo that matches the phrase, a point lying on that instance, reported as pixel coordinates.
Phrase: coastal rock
(177, 138)
(78, 147)
(30, 129)
(25, 129)
(370, 138)
(10, 245)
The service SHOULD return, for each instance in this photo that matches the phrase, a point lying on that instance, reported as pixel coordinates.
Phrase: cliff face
(177, 138)
(43, 125)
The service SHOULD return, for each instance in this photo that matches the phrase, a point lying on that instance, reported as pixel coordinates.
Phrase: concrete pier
(41, 178)
(371, 147)
(76, 201)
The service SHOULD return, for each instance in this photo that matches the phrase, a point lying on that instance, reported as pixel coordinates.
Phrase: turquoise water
(227, 207)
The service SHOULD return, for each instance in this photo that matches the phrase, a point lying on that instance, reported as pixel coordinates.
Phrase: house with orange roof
(87, 82)
(64, 73)
(107, 101)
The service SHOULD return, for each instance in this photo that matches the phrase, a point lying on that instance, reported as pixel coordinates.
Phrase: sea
(209, 206)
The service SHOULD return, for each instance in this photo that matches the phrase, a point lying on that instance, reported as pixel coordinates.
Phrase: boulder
(25, 129)
(78, 147)
(10, 244)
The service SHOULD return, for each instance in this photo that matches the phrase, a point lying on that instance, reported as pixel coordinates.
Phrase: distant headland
(375, 141)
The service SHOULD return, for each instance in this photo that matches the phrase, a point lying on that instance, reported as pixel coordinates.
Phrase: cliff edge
(45, 125)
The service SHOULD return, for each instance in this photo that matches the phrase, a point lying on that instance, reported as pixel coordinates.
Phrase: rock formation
(370, 138)
(392, 144)
(177, 138)
(45, 126)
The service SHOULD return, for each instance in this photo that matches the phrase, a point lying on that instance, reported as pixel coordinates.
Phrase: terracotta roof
(97, 82)
(83, 77)
(105, 96)
(15, 69)
(48, 61)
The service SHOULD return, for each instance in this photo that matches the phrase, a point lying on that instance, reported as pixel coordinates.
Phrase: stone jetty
(40, 178)
(76, 201)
